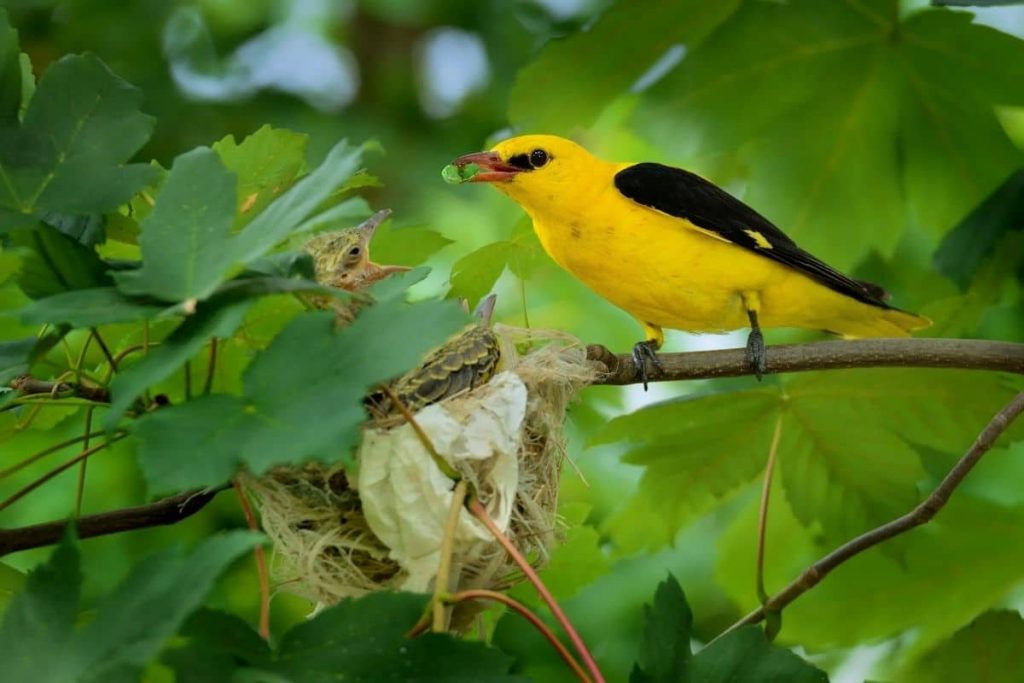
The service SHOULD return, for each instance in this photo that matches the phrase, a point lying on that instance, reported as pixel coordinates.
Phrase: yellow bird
(674, 250)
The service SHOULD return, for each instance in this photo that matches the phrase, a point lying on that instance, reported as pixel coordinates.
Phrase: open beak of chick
(362, 271)
(479, 167)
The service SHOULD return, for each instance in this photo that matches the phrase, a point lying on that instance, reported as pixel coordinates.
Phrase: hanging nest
(340, 533)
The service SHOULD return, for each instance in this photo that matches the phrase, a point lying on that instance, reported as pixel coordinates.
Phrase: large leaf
(358, 640)
(988, 650)
(185, 240)
(848, 448)
(40, 642)
(69, 153)
(302, 397)
(618, 49)
(695, 452)
(864, 110)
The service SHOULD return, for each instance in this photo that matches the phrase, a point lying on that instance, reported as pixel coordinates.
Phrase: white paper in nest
(406, 499)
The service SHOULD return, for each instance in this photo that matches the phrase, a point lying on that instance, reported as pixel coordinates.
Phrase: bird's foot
(642, 352)
(757, 355)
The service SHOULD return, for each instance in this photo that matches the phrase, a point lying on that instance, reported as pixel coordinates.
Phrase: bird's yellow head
(535, 170)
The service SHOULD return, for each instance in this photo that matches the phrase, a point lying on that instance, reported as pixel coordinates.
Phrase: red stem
(261, 562)
(482, 594)
(480, 513)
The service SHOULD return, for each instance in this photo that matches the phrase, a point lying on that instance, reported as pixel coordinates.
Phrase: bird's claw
(642, 352)
(757, 355)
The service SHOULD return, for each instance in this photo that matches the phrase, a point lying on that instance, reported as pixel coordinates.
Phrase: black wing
(686, 195)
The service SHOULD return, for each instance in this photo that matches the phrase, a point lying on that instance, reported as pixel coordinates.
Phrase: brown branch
(968, 354)
(29, 386)
(162, 512)
(924, 512)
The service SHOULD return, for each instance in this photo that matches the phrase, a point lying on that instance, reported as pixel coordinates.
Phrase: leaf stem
(29, 488)
(103, 347)
(261, 560)
(477, 508)
(535, 621)
(80, 489)
(43, 453)
(762, 524)
(211, 365)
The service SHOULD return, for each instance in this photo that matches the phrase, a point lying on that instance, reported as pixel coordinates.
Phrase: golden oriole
(674, 250)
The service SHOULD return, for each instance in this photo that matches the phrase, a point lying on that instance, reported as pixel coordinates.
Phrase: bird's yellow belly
(671, 276)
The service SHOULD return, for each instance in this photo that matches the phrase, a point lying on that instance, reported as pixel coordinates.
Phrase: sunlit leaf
(298, 204)
(266, 163)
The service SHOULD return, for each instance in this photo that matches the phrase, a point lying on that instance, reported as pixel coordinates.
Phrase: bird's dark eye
(354, 251)
(538, 158)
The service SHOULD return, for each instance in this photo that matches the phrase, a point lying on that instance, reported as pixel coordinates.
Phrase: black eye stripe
(520, 161)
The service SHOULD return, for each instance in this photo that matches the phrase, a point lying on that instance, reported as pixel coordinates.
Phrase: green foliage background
(886, 137)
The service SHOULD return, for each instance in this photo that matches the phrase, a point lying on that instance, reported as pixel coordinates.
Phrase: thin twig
(166, 511)
(80, 489)
(103, 347)
(968, 354)
(30, 386)
(922, 513)
(535, 621)
(762, 517)
(445, 565)
(773, 622)
(477, 508)
(46, 451)
(32, 486)
(261, 561)
(211, 365)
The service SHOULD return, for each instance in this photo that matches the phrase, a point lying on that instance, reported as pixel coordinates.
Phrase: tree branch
(29, 386)
(969, 354)
(166, 511)
(924, 512)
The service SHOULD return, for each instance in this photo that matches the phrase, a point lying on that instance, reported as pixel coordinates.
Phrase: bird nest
(341, 532)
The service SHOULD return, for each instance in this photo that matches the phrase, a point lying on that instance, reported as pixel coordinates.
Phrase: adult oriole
(674, 250)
